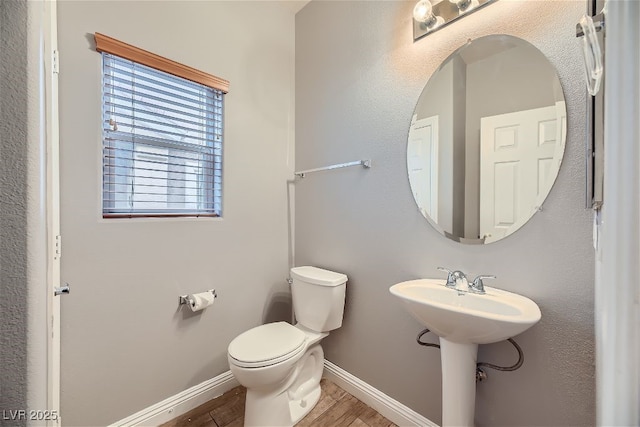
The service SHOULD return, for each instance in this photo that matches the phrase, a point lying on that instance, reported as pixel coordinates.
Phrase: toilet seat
(267, 345)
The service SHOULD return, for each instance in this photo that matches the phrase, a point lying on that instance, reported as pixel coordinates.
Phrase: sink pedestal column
(458, 383)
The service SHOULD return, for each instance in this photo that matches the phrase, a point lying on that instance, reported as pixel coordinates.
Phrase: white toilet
(280, 364)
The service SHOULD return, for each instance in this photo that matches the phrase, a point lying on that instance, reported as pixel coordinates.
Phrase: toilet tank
(318, 297)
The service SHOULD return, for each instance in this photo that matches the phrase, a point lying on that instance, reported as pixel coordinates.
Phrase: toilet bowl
(281, 365)
(281, 388)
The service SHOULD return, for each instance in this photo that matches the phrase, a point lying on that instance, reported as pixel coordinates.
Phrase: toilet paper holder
(184, 299)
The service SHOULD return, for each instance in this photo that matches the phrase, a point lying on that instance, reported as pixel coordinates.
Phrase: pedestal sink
(463, 320)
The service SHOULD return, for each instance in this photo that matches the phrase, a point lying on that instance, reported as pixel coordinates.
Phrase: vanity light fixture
(432, 15)
(423, 13)
(465, 6)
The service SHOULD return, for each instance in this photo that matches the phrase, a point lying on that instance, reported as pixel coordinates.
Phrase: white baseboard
(189, 399)
(180, 403)
(390, 408)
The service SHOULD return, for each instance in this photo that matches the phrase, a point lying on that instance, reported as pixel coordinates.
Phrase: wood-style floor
(336, 408)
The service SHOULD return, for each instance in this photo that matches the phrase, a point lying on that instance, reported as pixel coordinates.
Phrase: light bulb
(465, 5)
(423, 11)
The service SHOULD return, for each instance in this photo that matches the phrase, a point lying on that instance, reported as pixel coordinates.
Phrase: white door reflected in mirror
(422, 162)
(516, 162)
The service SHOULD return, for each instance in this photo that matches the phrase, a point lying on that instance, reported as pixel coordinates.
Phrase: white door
(53, 211)
(516, 163)
(422, 164)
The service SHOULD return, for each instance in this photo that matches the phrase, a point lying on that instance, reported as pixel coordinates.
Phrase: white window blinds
(162, 143)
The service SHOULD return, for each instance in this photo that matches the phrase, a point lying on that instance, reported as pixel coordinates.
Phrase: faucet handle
(451, 278)
(477, 286)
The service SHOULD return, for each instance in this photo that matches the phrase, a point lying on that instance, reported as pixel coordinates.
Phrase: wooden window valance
(116, 47)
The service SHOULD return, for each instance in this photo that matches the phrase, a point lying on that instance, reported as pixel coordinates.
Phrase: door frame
(617, 314)
(51, 71)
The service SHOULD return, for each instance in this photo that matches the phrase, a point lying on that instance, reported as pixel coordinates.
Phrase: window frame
(108, 45)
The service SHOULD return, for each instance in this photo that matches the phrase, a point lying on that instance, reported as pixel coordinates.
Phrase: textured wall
(13, 208)
(125, 343)
(358, 77)
(23, 285)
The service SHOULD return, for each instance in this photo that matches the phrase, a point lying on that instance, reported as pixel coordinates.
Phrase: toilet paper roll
(200, 301)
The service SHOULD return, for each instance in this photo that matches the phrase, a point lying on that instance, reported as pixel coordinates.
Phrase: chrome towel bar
(364, 163)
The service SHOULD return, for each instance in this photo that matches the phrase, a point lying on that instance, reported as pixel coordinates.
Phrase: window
(162, 142)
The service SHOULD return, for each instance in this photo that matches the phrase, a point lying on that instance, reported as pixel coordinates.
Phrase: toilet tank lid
(318, 276)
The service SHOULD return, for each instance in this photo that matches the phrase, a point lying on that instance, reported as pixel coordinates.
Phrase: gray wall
(13, 209)
(459, 146)
(22, 233)
(441, 88)
(356, 88)
(125, 342)
(445, 96)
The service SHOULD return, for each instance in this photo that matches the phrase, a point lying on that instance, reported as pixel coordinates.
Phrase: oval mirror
(486, 139)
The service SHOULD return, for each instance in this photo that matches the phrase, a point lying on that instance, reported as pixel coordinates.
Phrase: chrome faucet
(477, 286)
(457, 279)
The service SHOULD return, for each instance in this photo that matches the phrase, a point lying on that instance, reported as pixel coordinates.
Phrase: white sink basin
(466, 317)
